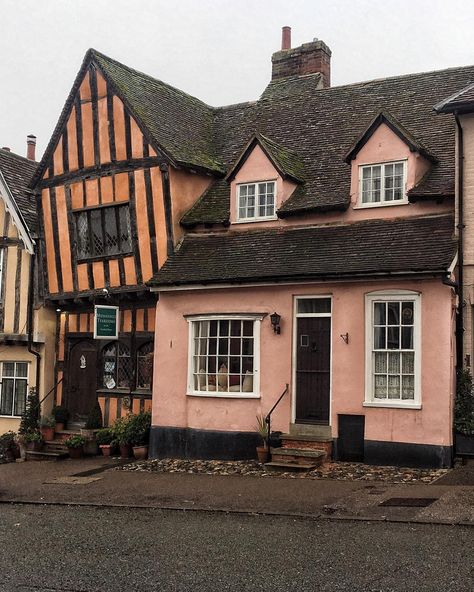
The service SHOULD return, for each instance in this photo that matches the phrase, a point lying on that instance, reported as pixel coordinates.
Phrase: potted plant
(8, 447)
(61, 415)
(464, 414)
(262, 430)
(48, 426)
(75, 446)
(33, 440)
(139, 432)
(121, 433)
(93, 423)
(105, 441)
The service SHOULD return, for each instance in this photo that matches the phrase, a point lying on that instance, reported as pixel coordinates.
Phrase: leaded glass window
(116, 366)
(145, 366)
(103, 231)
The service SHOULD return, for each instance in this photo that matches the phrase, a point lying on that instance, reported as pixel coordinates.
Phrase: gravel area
(335, 470)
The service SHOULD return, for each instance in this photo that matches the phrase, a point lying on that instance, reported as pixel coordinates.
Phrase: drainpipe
(31, 301)
(460, 227)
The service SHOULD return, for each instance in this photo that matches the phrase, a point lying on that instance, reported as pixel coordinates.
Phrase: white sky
(216, 50)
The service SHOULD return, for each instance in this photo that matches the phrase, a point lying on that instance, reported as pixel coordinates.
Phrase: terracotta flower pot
(140, 452)
(47, 433)
(106, 449)
(60, 427)
(76, 452)
(262, 454)
(126, 450)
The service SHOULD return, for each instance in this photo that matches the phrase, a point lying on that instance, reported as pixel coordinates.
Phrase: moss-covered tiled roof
(17, 172)
(181, 124)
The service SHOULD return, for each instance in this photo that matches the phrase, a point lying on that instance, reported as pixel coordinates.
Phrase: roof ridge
(94, 52)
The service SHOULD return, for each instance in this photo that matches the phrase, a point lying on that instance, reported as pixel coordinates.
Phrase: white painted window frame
(256, 319)
(382, 203)
(392, 296)
(15, 378)
(297, 315)
(255, 218)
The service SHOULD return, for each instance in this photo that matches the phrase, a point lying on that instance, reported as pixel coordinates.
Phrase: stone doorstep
(289, 466)
(307, 443)
(298, 456)
(308, 429)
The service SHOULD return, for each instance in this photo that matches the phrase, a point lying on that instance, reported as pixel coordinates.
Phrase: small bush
(30, 418)
(60, 414)
(32, 436)
(139, 428)
(75, 442)
(47, 421)
(104, 437)
(94, 419)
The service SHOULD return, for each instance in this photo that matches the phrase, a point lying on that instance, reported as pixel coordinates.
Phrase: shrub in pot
(33, 440)
(121, 433)
(48, 426)
(61, 415)
(464, 414)
(93, 423)
(139, 432)
(8, 447)
(75, 446)
(105, 441)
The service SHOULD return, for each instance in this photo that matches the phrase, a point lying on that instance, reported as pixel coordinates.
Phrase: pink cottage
(320, 263)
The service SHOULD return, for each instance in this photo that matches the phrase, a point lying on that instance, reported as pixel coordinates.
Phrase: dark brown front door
(313, 359)
(81, 381)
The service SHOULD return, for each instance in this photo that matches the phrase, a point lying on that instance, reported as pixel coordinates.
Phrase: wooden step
(289, 466)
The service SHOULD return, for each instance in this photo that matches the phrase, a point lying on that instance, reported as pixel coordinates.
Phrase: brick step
(289, 466)
(45, 455)
(298, 456)
(54, 447)
(64, 434)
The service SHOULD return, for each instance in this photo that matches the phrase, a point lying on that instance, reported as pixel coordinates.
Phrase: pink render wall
(430, 425)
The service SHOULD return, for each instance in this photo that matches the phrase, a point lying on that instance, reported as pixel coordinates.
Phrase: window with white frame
(393, 337)
(383, 183)
(224, 356)
(14, 386)
(256, 200)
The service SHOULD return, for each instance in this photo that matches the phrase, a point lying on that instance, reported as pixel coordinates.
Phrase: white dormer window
(382, 184)
(256, 201)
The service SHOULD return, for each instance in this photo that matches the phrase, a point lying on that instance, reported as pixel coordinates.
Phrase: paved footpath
(67, 482)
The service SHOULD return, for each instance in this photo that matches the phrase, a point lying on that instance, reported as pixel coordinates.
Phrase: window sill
(382, 204)
(120, 255)
(396, 405)
(10, 416)
(224, 395)
(253, 220)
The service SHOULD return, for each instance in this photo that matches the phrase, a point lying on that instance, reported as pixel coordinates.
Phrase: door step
(290, 466)
(321, 443)
(298, 455)
(45, 455)
(310, 429)
(54, 446)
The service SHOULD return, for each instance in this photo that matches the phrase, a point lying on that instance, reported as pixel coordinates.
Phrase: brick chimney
(30, 147)
(308, 58)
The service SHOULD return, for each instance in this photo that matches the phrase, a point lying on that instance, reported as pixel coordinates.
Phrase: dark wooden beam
(103, 170)
(165, 180)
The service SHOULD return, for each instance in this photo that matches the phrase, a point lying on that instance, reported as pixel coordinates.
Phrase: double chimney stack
(309, 58)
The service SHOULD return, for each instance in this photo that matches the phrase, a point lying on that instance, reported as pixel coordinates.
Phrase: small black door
(313, 359)
(350, 442)
(81, 379)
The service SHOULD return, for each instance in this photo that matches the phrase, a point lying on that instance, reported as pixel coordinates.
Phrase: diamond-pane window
(116, 366)
(104, 231)
(145, 366)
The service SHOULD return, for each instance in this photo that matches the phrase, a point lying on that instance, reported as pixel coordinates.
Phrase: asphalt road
(90, 549)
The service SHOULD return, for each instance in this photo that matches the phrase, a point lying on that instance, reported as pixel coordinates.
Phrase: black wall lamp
(275, 320)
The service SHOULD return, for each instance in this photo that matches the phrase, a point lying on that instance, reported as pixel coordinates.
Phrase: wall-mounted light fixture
(275, 320)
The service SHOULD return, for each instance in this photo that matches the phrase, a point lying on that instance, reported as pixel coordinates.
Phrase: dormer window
(256, 201)
(382, 184)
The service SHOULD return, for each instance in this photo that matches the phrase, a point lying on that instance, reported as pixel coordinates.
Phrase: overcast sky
(216, 50)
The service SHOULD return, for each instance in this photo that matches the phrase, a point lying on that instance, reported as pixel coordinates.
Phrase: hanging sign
(106, 322)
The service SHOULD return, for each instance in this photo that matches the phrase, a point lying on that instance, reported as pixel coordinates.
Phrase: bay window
(224, 356)
(393, 350)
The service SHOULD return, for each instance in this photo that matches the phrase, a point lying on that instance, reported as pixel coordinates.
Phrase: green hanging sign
(106, 322)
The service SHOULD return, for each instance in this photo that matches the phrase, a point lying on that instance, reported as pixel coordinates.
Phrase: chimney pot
(30, 146)
(285, 38)
(6, 148)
